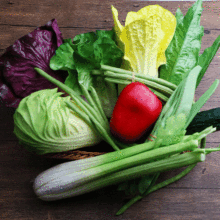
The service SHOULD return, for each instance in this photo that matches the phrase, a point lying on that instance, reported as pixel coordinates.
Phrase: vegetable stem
(55, 81)
(162, 96)
(162, 165)
(138, 159)
(103, 133)
(88, 109)
(147, 82)
(122, 71)
(99, 106)
(155, 188)
(93, 107)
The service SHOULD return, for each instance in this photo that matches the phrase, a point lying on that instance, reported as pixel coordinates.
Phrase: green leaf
(93, 49)
(104, 33)
(107, 93)
(138, 186)
(173, 131)
(72, 81)
(144, 183)
(84, 38)
(202, 100)
(107, 52)
(206, 58)
(84, 67)
(86, 51)
(133, 188)
(63, 59)
(180, 102)
(69, 41)
(183, 52)
(130, 187)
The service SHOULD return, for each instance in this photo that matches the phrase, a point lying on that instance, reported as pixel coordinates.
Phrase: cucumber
(203, 120)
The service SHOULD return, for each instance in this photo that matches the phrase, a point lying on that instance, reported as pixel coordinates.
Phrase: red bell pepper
(137, 108)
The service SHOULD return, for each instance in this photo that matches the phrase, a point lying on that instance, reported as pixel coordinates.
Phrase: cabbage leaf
(145, 37)
(44, 124)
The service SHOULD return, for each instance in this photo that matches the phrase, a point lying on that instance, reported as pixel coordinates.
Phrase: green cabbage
(44, 124)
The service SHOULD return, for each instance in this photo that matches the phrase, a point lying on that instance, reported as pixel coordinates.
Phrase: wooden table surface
(196, 196)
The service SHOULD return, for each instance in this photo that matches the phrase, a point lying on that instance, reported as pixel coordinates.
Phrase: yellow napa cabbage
(144, 38)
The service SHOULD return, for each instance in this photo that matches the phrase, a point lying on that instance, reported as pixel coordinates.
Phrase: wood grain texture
(196, 196)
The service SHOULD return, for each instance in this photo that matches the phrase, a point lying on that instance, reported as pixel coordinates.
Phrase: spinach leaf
(183, 52)
(84, 67)
(84, 38)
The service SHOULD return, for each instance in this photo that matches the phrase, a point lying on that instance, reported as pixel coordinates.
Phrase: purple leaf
(18, 78)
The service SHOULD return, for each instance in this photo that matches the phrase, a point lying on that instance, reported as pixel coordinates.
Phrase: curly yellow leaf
(118, 28)
(145, 37)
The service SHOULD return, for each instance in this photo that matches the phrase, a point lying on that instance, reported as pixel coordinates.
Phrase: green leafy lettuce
(86, 52)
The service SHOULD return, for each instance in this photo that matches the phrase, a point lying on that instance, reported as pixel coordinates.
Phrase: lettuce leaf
(86, 52)
(183, 52)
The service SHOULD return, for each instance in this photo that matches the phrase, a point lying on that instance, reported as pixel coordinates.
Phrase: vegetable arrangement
(153, 62)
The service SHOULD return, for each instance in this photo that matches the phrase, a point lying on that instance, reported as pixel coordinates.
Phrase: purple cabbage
(18, 78)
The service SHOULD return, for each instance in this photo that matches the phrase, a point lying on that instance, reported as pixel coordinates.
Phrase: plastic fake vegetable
(44, 124)
(137, 108)
(145, 37)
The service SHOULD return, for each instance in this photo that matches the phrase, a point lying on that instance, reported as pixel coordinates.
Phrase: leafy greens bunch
(85, 53)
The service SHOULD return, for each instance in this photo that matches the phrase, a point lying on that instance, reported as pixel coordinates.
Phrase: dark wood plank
(76, 12)
(6, 123)
(9, 34)
(18, 19)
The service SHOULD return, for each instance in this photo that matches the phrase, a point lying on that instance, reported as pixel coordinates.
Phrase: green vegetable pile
(99, 64)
